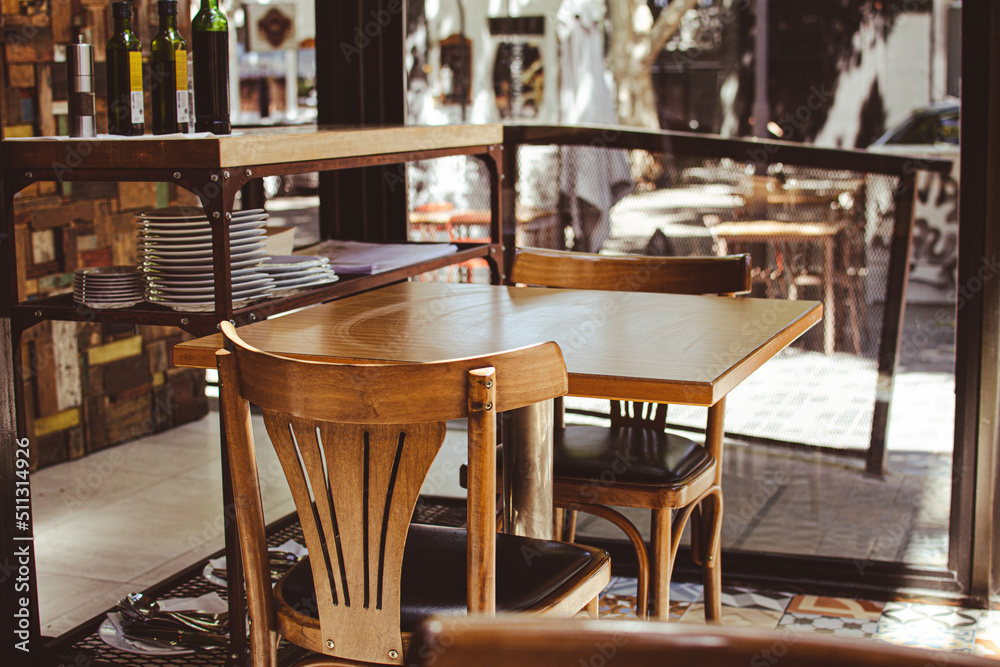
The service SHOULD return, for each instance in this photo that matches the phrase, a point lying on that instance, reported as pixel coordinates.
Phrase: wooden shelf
(245, 148)
(63, 307)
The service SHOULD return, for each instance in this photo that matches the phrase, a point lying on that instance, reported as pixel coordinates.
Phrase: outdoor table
(782, 233)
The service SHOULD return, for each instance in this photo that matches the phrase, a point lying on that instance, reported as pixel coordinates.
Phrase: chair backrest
(631, 273)
(499, 642)
(355, 442)
(728, 275)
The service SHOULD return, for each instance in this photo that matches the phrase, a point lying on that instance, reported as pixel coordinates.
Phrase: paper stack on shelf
(359, 257)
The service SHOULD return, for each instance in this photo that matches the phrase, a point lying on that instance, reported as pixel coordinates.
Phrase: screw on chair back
(355, 442)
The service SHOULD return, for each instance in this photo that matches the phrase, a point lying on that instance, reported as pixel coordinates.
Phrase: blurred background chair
(355, 443)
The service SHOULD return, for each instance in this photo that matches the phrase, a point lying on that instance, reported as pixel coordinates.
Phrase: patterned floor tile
(745, 617)
(927, 616)
(957, 639)
(616, 606)
(840, 626)
(686, 592)
(842, 607)
(747, 599)
(986, 648)
(621, 585)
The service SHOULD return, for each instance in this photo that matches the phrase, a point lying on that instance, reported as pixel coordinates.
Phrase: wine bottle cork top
(121, 10)
(167, 7)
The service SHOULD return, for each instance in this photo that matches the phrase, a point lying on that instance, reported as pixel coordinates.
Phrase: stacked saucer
(107, 286)
(175, 251)
(293, 272)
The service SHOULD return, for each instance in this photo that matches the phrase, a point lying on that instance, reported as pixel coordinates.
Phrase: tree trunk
(635, 44)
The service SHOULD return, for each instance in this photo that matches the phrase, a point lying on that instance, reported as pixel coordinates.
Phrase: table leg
(527, 470)
(829, 329)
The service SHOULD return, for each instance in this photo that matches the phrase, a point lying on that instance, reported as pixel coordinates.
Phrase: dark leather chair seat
(434, 574)
(628, 455)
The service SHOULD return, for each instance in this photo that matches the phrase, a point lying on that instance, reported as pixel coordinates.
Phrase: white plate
(286, 290)
(155, 244)
(190, 213)
(207, 290)
(303, 279)
(246, 276)
(129, 280)
(199, 266)
(103, 295)
(156, 273)
(202, 233)
(100, 305)
(201, 306)
(291, 546)
(283, 263)
(176, 255)
(110, 630)
(249, 293)
(106, 272)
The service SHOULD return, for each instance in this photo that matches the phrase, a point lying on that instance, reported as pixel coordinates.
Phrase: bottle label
(183, 98)
(182, 106)
(135, 86)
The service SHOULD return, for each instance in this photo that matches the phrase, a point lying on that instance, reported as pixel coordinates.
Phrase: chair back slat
(631, 273)
(355, 487)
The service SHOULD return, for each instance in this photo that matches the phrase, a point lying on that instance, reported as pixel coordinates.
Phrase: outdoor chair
(650, 468)
(355, 442)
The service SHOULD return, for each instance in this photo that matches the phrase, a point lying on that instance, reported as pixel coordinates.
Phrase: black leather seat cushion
(434, 574)
(620, 454)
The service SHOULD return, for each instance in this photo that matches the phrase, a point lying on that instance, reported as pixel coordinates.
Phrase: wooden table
(781, 232)
(632, 346)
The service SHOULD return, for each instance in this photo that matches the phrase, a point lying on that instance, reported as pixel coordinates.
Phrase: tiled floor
(970, 631)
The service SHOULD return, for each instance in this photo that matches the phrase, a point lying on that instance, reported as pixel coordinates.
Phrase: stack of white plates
(107, 286)
(293, 272)
(175, 251)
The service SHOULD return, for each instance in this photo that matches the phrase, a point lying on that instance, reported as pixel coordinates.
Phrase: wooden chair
(501, 642)
(355, 443)
(635, 462)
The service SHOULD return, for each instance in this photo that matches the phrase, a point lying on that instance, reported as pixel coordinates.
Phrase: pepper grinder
(80, 71)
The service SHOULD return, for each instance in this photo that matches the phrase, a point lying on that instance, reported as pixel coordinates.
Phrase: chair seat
(434, 574)
(626, 455)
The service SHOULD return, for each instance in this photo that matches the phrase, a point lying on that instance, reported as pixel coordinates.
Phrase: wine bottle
(210, 44)
(168, 74)
(124, 63)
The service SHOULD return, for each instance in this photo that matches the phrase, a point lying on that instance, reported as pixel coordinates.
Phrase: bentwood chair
(355, 443)
(636, 463)
(501, 642)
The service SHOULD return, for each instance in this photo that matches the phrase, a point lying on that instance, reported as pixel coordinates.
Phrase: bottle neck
(123, 25)
(168, 22)
(207, 5)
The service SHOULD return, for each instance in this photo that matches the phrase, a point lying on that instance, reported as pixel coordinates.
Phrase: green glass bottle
(210, 44)
(168, 74)
(124, 64)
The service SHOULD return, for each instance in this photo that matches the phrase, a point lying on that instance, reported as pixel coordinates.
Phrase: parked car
(932, 132)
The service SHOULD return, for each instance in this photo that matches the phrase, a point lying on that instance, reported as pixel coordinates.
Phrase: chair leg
(712, 566)
(661, 564)
(696, 537)
(635, 537)
(594, 607)
(570, 525)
